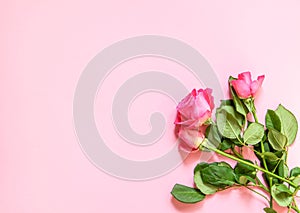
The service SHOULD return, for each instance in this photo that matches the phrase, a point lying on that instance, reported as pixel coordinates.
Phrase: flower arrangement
(232, 131)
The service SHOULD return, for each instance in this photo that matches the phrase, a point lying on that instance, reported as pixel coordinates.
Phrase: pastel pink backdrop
(45, 46)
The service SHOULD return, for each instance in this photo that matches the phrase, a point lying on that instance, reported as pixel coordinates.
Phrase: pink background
(45, 45)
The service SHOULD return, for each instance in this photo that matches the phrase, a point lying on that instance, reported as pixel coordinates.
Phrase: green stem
(271, 197)
(236, 153)
(296, 191)
(252, 165)
(253, 150)
(263, 158)
(255, 116)
(262, 185)
(261, 143)
(257, 193)
(277, 164)
(295, 208)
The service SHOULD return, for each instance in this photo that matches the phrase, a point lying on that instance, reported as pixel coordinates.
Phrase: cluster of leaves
(229, 136)
(213, 177)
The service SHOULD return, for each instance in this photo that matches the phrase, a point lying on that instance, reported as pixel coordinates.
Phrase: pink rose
(191, 138)
(192, 113)
(245, 87)
(195, 109)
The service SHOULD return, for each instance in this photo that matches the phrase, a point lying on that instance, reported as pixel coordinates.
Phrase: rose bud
(245, 87)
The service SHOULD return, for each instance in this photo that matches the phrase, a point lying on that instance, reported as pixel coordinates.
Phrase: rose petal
(209, 98)
(255, 85)
(194, 92)
(185, 148)
(241, 88)
(260, 79)
(191, 137)
(178, 118)
(204, 117)
(185, 105)
(245, 76)
(195, 109)
(201, 106)
(189, 123)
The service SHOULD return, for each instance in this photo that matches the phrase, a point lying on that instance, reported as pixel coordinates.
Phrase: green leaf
(227, 102)
(295, 177)
(266, 146)
(251, 179)
(242, 180)
(203, 187)
(254, 133)
(231, 78)
(289, 124)
(223, 163)
(281, 194)
(226, 144)
(269, 156)
(296, 181)
(269, 210)
(244, 172)
(249, 103)
(239, 105)
(283, 169)
(187, 194)
(207, 145)
(227, 125)
(236, 142)
(218, 175)
(213, 137)
(295, 172)
(241, 168)
(272, 120)
(277, 140)
(234, 113)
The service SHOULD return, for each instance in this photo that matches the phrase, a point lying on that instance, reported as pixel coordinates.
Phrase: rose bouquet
(235, 129)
